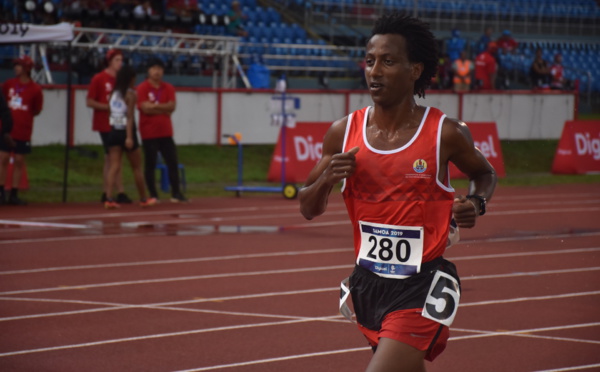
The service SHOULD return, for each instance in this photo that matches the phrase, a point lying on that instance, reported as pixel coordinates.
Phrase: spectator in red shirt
(486, 67)
(99, 91)
(506, 42)
(25, 99)
(156, 103)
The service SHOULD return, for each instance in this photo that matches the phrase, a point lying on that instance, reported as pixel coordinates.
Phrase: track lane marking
(278, 359)
(41, 224)
(340, 351)
(274, 272)
(109, 306)
(573, 368)
(331, 206)
(287, 253)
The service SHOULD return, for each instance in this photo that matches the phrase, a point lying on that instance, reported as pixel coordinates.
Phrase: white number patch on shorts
(442, 299)
(390, 251)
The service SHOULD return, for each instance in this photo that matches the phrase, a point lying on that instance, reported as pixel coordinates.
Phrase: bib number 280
(442, 299)
(385, 250)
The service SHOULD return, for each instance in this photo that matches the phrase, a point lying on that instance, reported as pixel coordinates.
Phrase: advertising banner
(485, 136)
(304, 145)
(28, 33)
(578, 150)
(303, 149)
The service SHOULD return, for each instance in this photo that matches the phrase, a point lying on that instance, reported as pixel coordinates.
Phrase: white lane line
(172, 212)
(183, 260)
(520, 332)
(279, 359)
(276, 254)
(42, 224)
(544, 211)
(287, 227)
(331, 223)
(297, 356)
(272, 272)
(159, 335)
(183, 278)
(321, 224)
(573, 368)
(478, 334)
(11, 243)
(523, 299)
(553, 196)
(109, 306)
(161, 305)
(529, 273)
(331, 206)
(521, 254)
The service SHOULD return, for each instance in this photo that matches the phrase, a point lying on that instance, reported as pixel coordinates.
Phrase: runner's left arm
(458, 147)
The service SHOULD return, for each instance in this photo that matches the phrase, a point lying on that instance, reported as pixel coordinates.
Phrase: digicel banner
(578, 150)
(303, 147)
(485, 136)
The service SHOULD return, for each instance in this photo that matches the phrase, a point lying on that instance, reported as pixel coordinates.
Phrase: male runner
(393, 161)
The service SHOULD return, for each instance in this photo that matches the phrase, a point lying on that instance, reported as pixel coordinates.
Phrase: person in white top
(123, 137)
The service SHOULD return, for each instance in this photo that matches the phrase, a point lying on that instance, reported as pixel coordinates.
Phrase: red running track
(246, 284)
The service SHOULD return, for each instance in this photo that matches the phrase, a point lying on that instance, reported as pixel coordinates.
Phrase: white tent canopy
(17, 33)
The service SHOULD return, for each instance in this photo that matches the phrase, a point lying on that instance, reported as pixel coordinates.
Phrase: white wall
(521, 116)
(196, 119)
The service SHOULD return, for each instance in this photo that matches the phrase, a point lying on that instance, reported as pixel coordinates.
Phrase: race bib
(390, 251)
(16, 102)
(118, 122)
(442, 299)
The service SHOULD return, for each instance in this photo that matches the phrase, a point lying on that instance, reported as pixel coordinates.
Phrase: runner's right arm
(331, 169)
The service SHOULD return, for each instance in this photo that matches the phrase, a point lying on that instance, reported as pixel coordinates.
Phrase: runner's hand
(129, 143)
(341, 166)
(465, 212)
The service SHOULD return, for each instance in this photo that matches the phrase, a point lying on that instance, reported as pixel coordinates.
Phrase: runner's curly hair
(421, 45)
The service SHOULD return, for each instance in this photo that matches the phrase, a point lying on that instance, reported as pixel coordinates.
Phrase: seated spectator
(455, 45)
(236, 17)
(484, 40)
(182, 8)
(143, 9)
(557, 73)
(506, 43)
(463, 70)
(443, 77)
(539, 71)
(486, 67)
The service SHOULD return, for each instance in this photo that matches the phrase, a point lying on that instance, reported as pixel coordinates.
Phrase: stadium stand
(326, 37)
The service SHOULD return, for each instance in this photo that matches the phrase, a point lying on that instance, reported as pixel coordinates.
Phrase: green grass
(210, 168)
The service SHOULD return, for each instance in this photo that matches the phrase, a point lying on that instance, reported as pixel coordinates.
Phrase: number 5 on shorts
(442, 300)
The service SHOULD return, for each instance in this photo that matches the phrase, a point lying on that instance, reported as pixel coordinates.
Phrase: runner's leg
(395, 356)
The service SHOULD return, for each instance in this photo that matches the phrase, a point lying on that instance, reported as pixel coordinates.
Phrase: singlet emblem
(420, 165)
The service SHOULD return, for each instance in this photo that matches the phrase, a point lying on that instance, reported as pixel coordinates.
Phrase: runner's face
(390, 75)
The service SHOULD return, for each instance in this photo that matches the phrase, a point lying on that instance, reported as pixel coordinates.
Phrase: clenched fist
(465, 212)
